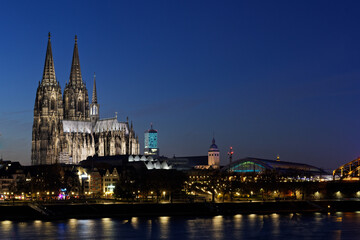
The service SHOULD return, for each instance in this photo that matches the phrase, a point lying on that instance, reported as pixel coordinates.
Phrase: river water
(241, 226)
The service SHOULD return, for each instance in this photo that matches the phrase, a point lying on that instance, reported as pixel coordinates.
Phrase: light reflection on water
(164, 226)
(240, 226)
(135, 222)
(217, 226)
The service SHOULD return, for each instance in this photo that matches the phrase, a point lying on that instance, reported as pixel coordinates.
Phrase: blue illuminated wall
(151, 142)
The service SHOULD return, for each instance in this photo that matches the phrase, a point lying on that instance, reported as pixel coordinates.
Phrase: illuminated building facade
(151, 142)
(109, 181)
(67, 127)
(95, 183)
(214, 155)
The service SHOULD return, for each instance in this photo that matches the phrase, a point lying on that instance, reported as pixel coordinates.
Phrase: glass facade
(255, 165)
(247, 167)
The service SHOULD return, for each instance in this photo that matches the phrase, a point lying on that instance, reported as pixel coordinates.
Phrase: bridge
(348, 171)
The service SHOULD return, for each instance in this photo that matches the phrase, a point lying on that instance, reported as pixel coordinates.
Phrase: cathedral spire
(94, 95)
(49, 69)
(75, 74)
(94, 106)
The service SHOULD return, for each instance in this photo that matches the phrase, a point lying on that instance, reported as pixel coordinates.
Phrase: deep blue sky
(266, 77)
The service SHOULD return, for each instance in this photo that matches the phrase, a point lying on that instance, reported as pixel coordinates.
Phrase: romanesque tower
(76, 99)
(48, 113)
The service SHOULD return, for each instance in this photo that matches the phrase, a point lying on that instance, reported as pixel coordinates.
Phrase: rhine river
(252, 226)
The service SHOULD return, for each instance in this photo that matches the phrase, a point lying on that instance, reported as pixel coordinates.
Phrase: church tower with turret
(48, 113)
(214, 155)
(76, 99)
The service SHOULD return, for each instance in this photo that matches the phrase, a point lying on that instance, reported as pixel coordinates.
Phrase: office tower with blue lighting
(151, 142)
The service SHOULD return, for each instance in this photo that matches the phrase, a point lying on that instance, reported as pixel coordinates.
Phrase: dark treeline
(153, 184)
(50, 178)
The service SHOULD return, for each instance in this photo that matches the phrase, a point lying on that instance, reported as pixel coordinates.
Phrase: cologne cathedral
(67, 128)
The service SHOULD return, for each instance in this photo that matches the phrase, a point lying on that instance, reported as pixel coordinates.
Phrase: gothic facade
(67, 128)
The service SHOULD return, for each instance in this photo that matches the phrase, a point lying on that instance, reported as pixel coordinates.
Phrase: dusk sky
(266, 77)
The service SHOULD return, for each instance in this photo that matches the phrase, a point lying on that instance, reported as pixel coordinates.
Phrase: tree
(127, 184)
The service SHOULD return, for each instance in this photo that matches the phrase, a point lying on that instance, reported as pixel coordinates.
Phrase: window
(52, 104)
(80, 106)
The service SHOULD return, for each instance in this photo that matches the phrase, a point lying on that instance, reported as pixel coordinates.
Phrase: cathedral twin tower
(67, 129)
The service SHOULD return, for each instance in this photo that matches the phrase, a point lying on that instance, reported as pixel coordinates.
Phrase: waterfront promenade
(50, 211)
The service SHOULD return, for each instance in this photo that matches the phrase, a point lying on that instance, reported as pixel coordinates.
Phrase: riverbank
(33, 211)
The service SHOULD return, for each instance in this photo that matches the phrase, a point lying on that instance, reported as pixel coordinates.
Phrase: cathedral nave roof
(89, 127)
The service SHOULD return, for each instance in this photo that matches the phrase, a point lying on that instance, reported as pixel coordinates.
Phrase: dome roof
(213, 145)
(151, 130)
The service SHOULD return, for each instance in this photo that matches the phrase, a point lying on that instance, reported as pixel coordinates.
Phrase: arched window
(52, 104)
(52, 126)
(80, 105)
(67, 102)
(94, 110)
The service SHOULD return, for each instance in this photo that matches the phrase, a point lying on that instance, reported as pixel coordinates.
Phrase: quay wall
(122, 210)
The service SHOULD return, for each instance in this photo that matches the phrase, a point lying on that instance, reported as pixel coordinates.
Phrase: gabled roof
(77, 126)
(111, 124)
(104, 125)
